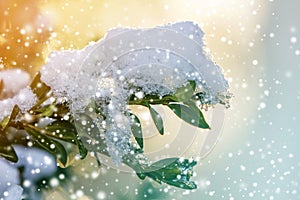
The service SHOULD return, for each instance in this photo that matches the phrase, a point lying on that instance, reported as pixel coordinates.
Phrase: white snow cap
(158, 60)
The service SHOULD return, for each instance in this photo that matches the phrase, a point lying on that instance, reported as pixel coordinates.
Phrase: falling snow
(256, 42)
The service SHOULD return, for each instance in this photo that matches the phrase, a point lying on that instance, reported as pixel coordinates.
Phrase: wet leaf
(189, 113)
(173, 171)
(66, 131)
(136, 130)
(62, 130)
(50, 145)
(157, 120)
(6, 147)
(7, 151)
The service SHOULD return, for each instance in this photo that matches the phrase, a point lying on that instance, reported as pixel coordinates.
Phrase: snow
(9, 177)
(13, 80)
(37, 164)
(25, 99)
(158, 60)
(13, 192)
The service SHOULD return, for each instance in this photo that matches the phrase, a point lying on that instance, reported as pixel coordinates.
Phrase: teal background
(262, 160)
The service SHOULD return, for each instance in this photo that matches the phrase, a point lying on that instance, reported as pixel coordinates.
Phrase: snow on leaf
(156, 60)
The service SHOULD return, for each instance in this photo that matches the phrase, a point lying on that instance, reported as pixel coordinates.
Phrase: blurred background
(257, 43)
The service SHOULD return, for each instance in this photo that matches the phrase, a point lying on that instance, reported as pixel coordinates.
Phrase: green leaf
(163, 163)
(136, 130)
(173, 171)
(189, 113)
(42, 91)
(62, 130)
(141, 176)
(6, 149)
(50, 145)
(185, 92)
(66, 131)
(46, 111)
(97, 159)
(8, 152)
(4, 123)
(82, 149)
(157, 120)
(7, 121)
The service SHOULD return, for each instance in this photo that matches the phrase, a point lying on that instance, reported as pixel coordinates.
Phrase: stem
(146, 101)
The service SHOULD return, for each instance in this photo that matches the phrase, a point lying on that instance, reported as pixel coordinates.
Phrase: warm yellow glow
(27, 37)
(23, 34)
(26, 25)
(79, 21)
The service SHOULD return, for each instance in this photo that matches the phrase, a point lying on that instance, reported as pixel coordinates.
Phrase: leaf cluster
(61, 131)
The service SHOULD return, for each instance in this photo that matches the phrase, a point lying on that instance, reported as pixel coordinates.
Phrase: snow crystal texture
(157, 60)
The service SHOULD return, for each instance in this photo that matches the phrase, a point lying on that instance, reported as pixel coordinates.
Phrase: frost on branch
(126, 61)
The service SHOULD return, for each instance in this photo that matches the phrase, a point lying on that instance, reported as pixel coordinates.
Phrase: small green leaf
(46, 111)
(66, 131)
(97, 159)
(40, 89)
(141, 176)
(8, 152)
(157, 120)
(62, 130)
(189, 113)
(185, 92)
(6, 122)
(52, 146)
(173, 171)
(136, 130)
(6, 149)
